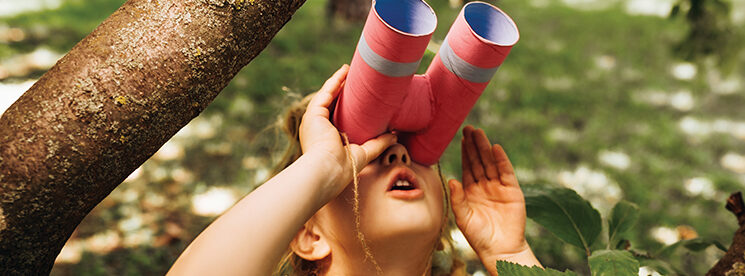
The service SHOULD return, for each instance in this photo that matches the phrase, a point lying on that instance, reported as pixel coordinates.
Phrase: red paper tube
(382, 94)
(380, 76)
(474, 48)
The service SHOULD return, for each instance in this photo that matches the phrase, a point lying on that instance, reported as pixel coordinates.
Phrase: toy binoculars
(382, 93)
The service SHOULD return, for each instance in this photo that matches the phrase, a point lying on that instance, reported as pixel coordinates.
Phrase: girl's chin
(403, 233)
(406, 218)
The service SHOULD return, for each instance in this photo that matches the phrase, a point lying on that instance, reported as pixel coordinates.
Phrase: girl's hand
(319, 138)
(489, 206)
(239, 242)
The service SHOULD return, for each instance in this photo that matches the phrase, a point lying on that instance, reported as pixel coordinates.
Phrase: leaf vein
(574, 225)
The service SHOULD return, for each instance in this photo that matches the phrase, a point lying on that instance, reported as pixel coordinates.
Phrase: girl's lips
(406, 195)
(404, 174)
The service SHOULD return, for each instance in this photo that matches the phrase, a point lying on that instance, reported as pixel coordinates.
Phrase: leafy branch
(711, 33)
(575, 221)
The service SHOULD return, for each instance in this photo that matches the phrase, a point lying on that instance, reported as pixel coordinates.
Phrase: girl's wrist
(327, 169)
(523, 256)
(498, 253)
(507, 256)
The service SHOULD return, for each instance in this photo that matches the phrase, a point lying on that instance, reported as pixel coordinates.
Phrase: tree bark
(733, 262)
(350, 10)
(109, 104)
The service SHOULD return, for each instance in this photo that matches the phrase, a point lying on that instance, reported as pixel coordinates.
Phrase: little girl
(389, 222)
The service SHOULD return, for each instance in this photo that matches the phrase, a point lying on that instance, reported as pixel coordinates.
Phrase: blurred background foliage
(639, 100)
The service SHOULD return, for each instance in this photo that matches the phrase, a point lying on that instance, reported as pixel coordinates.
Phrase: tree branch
(109, 104)
(733, 262)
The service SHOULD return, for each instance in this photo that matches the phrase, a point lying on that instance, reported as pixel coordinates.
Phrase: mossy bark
(733, 262)
(109, 104)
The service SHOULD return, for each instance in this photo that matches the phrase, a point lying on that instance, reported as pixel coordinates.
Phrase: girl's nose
(396, 155)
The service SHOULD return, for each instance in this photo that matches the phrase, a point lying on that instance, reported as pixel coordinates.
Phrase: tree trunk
(109, 104)
(350, 10)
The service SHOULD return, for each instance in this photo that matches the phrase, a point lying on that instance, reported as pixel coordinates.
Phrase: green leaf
(563, 212)
(697, 244)
(663, 267)
(613, 263)
(623, 216)
(509, 269)
(660, 266)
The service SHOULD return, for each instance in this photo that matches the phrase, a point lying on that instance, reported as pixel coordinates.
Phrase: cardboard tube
(382, 94)
(476, 45)
(380, 76)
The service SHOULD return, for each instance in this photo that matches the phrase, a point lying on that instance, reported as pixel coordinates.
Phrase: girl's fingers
(477, 169)
(371, 149)
(506, 171)
(488, 160)
(458, 200)
(466, 174)
(330, 88)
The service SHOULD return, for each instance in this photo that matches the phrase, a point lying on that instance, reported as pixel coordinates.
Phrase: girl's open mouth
(404, 185)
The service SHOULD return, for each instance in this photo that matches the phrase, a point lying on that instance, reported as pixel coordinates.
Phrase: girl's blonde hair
(292, 264)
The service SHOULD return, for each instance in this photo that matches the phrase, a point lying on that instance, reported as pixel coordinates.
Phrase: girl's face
(401, 205)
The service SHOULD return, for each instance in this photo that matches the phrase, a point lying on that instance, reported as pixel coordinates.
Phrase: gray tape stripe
(383, 65)
(462, 68)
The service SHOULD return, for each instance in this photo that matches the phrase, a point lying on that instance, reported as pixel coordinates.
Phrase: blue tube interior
(491, 24)
(409, 16)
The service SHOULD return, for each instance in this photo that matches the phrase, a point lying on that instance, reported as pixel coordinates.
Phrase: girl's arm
(488, 205)
(250, 238)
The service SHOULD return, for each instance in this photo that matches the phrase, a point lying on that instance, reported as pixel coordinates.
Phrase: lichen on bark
(2, 220)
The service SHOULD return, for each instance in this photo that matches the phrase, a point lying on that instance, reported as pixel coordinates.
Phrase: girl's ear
(310, 244)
